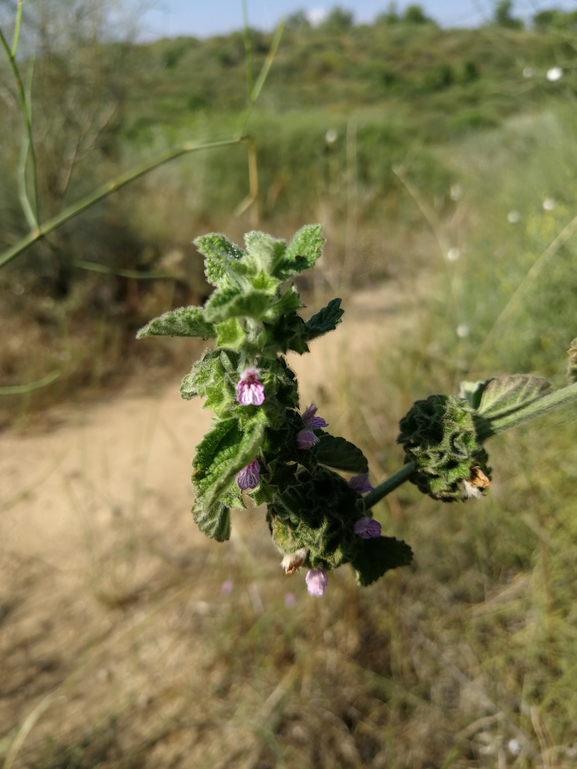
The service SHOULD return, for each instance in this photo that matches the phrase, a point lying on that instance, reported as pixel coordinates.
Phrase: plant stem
(538, 408)
(389, 485)
(107, 189)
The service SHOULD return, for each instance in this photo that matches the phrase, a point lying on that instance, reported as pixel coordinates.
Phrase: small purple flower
(367, 528)
(227, 587)
(361, 483)
(310, 421)
(249, 389)
(306, 439)
(317, 581)
(248, 477)
(290, 600)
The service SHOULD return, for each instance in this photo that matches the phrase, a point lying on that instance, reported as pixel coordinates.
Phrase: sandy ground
(94, 514)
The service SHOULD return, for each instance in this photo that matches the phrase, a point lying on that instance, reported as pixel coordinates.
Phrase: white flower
(549, 204)
(453, 254)
(463, 330)
(331, 136)
(513, 217)
(554, 74)
(528, 72)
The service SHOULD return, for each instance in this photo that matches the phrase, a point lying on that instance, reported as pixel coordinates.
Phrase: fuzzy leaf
(223, 259)
(472, 392)
(230, 303)
(185, 321)
(263, 252)
(222, 453)
(230, 334)
(202, 375)
(301, 253)
(341, 454)
(376, 556)
(213, 520)
(506, 394)
(324, 320)
(288, 302)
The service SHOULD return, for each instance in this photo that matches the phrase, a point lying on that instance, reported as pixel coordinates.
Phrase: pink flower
(317, 581)
(367, 528)
(248, 477)
(249, 389)
(310, 421)
(361, 483)
(227, 587)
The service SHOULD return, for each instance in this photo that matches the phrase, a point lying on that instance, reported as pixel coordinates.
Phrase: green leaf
(472, 392)
(213, 520)
(230, 334)
(289, 301)
(263, 252)
(507, 394)
(185, 321)
(263, 282)
(341, 454)
(223, 260)
(222, 453)
(376, 556)
(324, 320)
(301, 253)
(230, 303)
(203, 373)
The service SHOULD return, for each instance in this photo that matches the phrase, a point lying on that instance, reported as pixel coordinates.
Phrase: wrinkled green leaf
(229, 303)
(185, 321)
(230, 334)
(376, 556)
(263, 252)
(203, 373)
(340, 454)
(223, 260)
(213, 520)
(301, 253)
(288, 302)
(324, 320)
(472, 392)
(220, 456)
(504, 395)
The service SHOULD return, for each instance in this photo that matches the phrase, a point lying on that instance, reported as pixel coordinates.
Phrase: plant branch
(247, 50)
(26, 388)
(26, 111)
(105, 190)
(389, 485)
(16, 37)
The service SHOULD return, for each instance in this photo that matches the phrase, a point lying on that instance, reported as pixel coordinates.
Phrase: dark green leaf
(288, 302)
(506, 394)
(324, 320)
(341, 454)
(213, 520)
(376, 556)
(185, 321)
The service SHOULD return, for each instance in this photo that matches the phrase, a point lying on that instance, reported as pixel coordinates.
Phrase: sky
(202, 18)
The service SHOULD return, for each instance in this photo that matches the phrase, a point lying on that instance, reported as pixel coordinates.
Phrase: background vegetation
(432, 156)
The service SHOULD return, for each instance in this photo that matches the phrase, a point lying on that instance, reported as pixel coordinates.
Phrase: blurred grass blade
(17, 26)
(26, 388)
(136, 274)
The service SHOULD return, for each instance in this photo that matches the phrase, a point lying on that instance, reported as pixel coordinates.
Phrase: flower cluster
(306, 438)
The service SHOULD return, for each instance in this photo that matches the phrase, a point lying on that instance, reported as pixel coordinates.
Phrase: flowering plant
(262, 447)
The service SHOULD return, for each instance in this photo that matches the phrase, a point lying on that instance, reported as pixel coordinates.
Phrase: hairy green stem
(107, 189)
(389, 485)
(538, 408)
